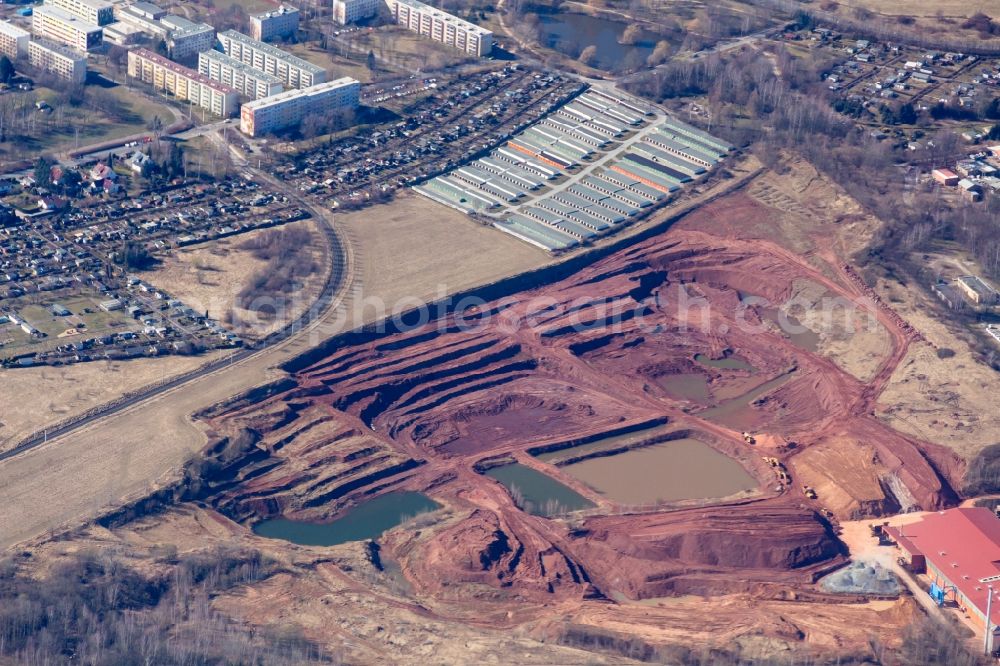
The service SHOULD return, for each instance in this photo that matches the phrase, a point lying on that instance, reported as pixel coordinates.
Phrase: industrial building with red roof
(959, 550)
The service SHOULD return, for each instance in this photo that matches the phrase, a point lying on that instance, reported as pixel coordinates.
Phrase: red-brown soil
(582, 356)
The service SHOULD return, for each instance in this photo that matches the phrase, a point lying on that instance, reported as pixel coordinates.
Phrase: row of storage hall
(540, 183)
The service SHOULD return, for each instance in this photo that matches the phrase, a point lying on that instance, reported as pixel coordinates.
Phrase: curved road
(325, 301)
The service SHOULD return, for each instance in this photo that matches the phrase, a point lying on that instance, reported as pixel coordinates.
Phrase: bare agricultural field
(416, 249)
(35, 398)
(921, 8)
(209, 278)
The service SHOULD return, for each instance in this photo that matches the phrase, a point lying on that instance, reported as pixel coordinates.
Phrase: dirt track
(583, 356)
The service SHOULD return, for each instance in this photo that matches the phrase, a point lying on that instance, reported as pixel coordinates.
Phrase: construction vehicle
(773, 462)
(809, 492)
(748, 438)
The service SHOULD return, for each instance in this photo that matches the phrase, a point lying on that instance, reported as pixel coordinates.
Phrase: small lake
(537, 493)
(738, 413)
(687, 386)
(571, 33)
(725, 363)
(600, 444)
(365, 521)
(682, 469)
(797, 333)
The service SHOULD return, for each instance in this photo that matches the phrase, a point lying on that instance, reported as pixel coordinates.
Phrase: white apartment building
(281, 22)
(144, 16)
(292, 106)
(294, 72)
(58, 60)
(168, 77)
(13, 40)
(442, 26)
(246, 80)
(96, 12)
(62, 27)
(187, 39)
(351, 11)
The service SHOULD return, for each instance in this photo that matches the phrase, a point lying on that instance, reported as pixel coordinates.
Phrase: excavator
(749, 439)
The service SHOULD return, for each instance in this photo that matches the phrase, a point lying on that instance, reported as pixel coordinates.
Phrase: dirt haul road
(427, 409)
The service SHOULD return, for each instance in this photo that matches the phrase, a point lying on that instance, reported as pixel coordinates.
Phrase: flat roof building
(977, 290)
(144, 16)
(351, 11)
(58, 60)
(289, 108)
(282, 22)
(121, 33)
(60, 26)
(13, 40)
(294, 72)
(442, 26)
(187, 39)
(959, 550)
(96, 12)
(246, 80)
(167, 76)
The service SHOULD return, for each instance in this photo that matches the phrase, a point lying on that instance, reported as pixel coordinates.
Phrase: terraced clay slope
(592, 354)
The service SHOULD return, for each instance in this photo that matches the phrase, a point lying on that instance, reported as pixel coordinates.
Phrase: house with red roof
(959, 551)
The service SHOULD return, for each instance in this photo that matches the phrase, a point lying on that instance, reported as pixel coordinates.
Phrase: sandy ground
(950, 401)
(208, 278)
(418, 249)
(35, 398)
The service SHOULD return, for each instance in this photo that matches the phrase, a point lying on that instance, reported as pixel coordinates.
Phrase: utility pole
(989, 609)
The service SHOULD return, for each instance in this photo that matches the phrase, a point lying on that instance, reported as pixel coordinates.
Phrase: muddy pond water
(538, 493)
(365, 521)
(682, 469)
(726, 363)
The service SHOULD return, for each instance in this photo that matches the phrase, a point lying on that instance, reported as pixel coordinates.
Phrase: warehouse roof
(964, 545)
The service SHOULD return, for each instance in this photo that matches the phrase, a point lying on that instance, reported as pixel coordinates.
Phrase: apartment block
(442, 27)
(351, 11)
(243, 78)
(294, 72)
(144, 16)
(13, 40)
(57, 59)
(96, 12)
(170, 78)
(187, 39)
(282, 22)
(289, 108)
(60, 26)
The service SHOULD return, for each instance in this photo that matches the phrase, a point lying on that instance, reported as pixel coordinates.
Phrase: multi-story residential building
(442, 26)
(144, 16)
(187, 39)
(121, 33)
(57, 59)
(294, 72)
(289, 108)
(13, 40)
(351, 11)
(246, 80)
(168, 77)
(96, 12)
(62, 27)
(281, 22)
